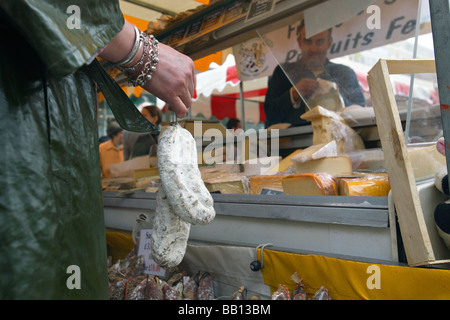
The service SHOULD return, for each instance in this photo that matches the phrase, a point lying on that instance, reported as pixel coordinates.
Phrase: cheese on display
(284, 164)
(370, 186)
(316, 151)
(335, 166)
(425, 161)
(328, 126)
(258, 183)
(231, 183)
(308, 184)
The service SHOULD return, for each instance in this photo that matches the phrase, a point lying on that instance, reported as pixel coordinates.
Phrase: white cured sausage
(170, 234)
(181, 178)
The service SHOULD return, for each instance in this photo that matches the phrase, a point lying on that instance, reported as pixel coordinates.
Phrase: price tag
(259, 8)
(270, 192)
(144, 249)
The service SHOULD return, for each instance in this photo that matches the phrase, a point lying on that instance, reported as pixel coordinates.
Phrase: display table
(356, 227)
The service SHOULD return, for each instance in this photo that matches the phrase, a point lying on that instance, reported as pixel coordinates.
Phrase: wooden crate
(415, 234)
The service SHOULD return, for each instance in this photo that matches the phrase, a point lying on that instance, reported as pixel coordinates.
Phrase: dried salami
(170, 234)
(181, 178)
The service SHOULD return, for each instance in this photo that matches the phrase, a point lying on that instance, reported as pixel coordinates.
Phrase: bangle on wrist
(134, 51)
(148, 60)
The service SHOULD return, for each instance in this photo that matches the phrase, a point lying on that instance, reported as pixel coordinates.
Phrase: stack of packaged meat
(299, 293)
(127, 282)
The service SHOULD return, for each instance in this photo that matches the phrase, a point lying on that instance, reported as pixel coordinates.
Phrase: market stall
(357, 247)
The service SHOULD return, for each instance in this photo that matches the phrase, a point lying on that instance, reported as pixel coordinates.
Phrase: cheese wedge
(258, 183)
(328, 126)
(335, 166)
(231, 183)
(316, 151)
(368, 186)
(284, 164)
(425, 161)
(309, 184)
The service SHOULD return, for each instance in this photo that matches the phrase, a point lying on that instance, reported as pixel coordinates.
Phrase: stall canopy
(141, 12)
(218, 94)
(151, 10)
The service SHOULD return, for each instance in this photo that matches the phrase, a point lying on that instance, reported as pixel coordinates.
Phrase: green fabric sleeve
(65, 35)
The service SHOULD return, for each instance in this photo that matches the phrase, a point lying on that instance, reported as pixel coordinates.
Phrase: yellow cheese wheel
(257, 183)
(309, 184)
(373, 186)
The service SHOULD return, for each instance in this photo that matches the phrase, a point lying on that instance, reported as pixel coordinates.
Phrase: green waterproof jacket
(52, 233)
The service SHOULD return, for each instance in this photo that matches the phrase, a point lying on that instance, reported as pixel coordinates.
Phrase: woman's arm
(174, 79)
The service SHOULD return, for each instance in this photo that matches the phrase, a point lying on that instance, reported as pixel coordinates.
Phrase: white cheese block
(317, 151)
(425, 161)
(335, 166)
(328, 126)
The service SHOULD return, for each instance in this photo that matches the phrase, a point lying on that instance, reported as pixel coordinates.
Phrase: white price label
(151, 267)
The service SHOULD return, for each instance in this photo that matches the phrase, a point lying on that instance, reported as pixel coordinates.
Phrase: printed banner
(383, 22)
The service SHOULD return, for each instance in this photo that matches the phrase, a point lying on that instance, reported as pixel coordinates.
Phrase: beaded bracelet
(149, 68)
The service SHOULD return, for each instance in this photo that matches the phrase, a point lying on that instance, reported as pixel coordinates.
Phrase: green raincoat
(52, 233)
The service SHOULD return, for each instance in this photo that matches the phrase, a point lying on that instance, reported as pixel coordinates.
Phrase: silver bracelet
(134, 51)
(145, 43)
(149, 68)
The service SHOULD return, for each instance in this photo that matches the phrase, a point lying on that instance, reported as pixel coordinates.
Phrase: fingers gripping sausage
(181, 178)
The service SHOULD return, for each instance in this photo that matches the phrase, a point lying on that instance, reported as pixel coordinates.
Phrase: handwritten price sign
(151, 267)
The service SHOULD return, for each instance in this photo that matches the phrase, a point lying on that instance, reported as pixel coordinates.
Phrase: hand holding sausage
(174, 80)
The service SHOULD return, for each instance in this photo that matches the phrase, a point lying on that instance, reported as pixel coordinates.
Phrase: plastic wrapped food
(138, 292)
(239, 294)
(205, 290)
(190, 287)
(367, 185)
(133, 265)
(153, 289)
(316, 151)
(300, 291)
(117, 288)
(282, 293)
(328, 125)
(310, 184)
(172, 292)
(321, 294)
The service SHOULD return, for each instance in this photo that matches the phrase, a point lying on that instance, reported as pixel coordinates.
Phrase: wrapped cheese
(285, 165)
(231, 183)
(258, 183)
(335, 166)
(328, 126)
(364, 186)
(316, 151)
(310, 184)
